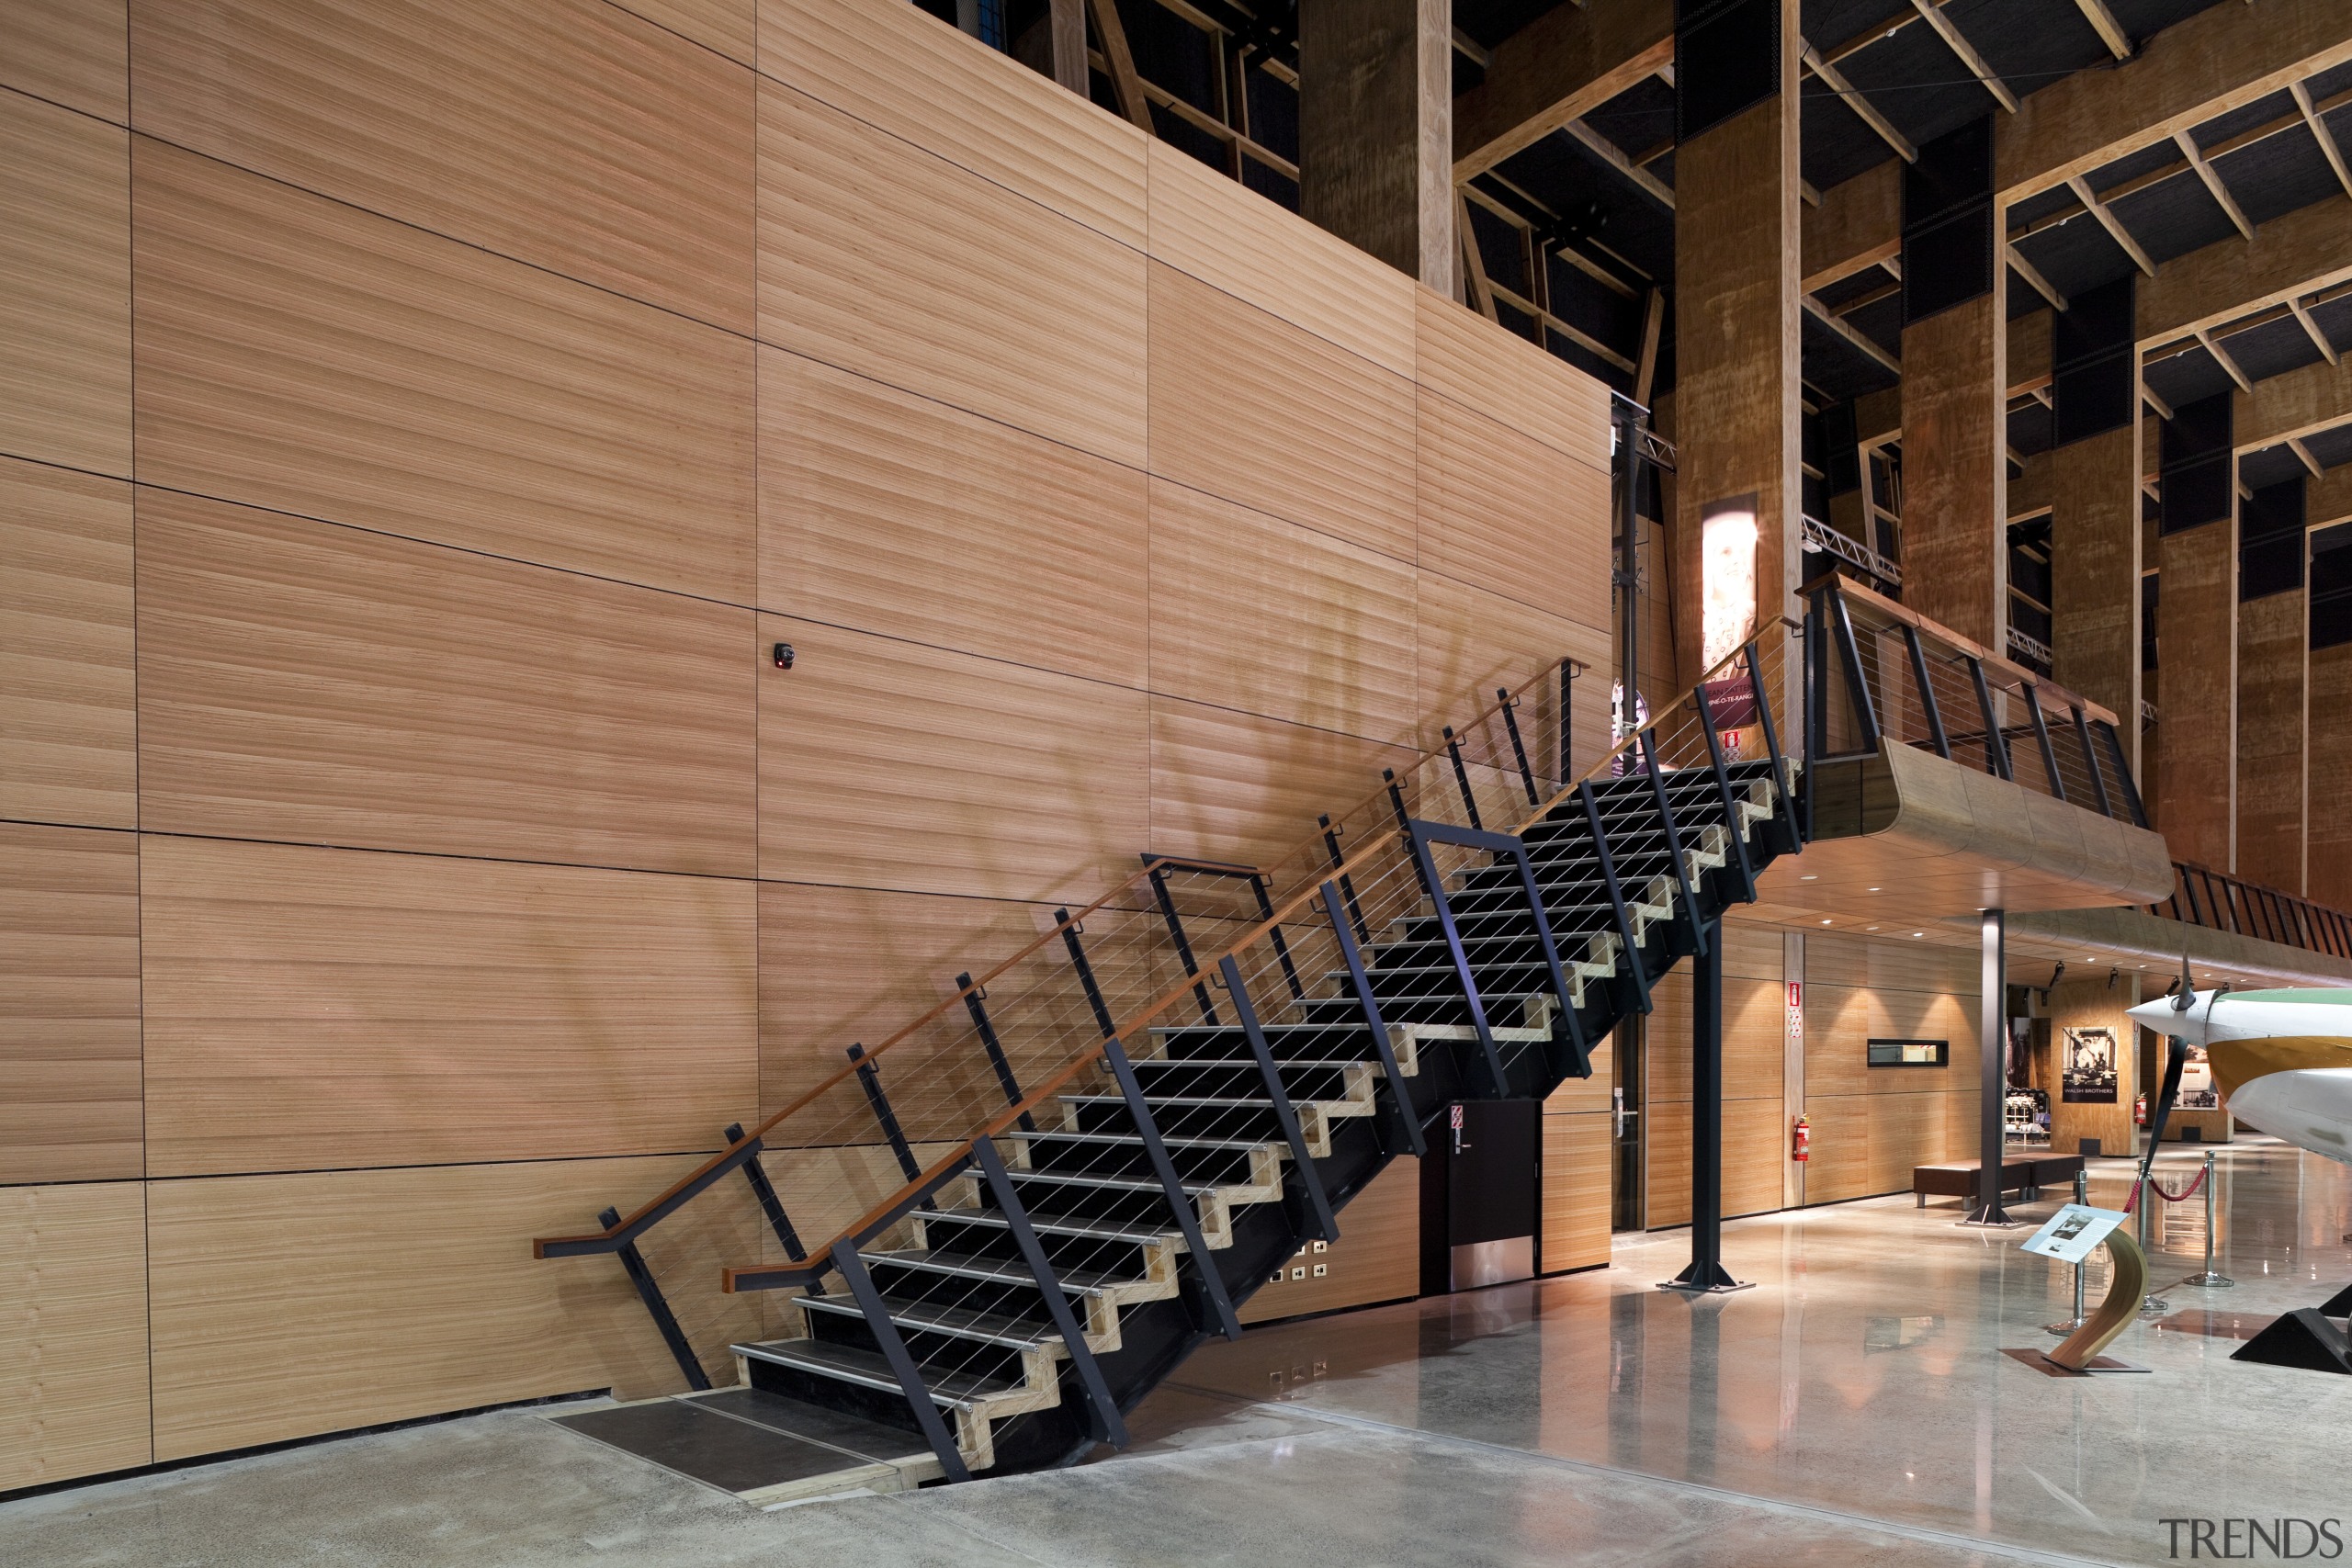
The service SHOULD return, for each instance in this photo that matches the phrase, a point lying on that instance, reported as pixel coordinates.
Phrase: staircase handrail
(898, 1203)
(637, 1221)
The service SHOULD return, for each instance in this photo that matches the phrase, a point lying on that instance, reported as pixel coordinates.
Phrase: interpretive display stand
(2069, 1237)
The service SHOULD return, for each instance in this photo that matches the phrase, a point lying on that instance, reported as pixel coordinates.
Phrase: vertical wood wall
(419, 419)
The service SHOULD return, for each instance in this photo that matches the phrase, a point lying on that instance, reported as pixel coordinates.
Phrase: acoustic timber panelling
(1470, 641)
(1248, 407)
(1251, 613)
(2273, 639)
(1488, 489)
(2328, 813)
(1230, 785)
(302, 356)
(1577, 1154)
(1871, 1125)
(889, 764)
(1376, 1259)
(566, 133)
(881, 258)
(66, 721)
(69, 52)
(929, 86)
(314, 682)
(1508, 379)
(72, 1332)
(730, 27)
(312, 1302)
(64, 286)
(69, 1004)
(315, 1008)
(1237, 242)
(893, 513)
(841, 967)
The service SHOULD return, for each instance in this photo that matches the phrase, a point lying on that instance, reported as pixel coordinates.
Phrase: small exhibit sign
(2087, 1074)
(2072, 1231)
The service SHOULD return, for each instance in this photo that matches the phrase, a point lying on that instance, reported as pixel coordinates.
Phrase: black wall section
(1727, 58)
(2332, 586)
(2271, 541)
(2092, 349)
(2199, 472)
(1841, 459)
(1947, 222)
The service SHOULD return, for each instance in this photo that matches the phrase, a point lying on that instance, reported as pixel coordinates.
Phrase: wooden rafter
(1946, 29)
(2032, 275)
(2311, 328)
(2303, 453)
(1835, 80)
(2327, 143)
(2113, 224)
(1871, 296)
(1645, 367)
(2102, 21)
(1601, 147)
(2220, 356)
(2164, 409)
(1126, 85)
(2206, 171)
(1859, 344)
(1887, 254)
(1482, 292)
(1583, 339)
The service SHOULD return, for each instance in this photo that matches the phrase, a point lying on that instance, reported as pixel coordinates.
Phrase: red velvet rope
(2183, 1196)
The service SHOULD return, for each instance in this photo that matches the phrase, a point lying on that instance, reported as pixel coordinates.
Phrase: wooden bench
(2024, 1174)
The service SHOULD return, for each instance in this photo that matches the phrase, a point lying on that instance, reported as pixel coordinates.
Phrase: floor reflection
(1863, 1373)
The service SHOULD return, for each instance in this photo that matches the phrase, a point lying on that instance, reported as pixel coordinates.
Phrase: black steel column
(1993, 1034)
(1706, 1271)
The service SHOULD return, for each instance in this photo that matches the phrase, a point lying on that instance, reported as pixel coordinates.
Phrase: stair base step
(761, 1447)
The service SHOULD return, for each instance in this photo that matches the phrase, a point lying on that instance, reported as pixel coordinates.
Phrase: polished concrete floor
(1852, 1407)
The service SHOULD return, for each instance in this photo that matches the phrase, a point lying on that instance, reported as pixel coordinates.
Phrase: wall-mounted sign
(2087, 1071)
(1909, 1052)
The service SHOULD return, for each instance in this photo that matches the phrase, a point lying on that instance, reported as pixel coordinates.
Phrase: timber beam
(1559, 68)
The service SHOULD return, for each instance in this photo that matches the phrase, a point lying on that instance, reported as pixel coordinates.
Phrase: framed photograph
(2198, 1091)
(2088, 1070)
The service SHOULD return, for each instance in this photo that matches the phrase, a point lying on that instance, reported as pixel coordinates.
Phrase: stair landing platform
(761, 1447)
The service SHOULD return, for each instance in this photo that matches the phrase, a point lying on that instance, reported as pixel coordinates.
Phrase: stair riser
(1045, 1199)
(980, 1295)
(1126, 1259)
(1253, 1123)
(1242, 1077)
(931, 1351)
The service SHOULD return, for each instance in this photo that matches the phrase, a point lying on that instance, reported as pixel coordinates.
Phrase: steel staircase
(1032, 1282)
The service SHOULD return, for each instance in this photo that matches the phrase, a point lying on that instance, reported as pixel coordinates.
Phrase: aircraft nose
(2159, 1016)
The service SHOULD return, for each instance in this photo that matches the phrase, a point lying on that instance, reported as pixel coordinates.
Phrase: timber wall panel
(2329, 812)
(2273, 643)
(69, 52)
(1378, 1258)
(302, 355)
(67, 749)
(880, 258)
(1250, 613)
(1235, 786)
(1248, 407)
(906, 75)
(69, 1005)
(72, 1332)
(1486, 491)
(1508, 379)
(312, 1009)
(730, 27)
(1234, 240)
(1577, 1161)
(891, 513)
(2196, 690)
(64, 286)
(306, 682)
(1470, 641)
(566, 133)
(285, 1305)
(889, 764)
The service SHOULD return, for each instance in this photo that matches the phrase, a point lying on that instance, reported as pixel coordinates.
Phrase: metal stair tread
(1130, 1140)
(1116, 1183)
(1046, 1224)
(869, 1368)
(961, 1323)
(995, 1271)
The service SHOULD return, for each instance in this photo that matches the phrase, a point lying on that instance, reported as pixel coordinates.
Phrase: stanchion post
(2151, 1305)
(2083, 1198)
(2209, 1279)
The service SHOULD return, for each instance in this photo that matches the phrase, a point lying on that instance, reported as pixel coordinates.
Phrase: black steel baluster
(1404, 827)
(1518, 747)
(1426, 865)
(1183, 947)
(902, 1361)
(1274, 934)
(974, 998)
(1072, 932)
(1674, 841)
(2042, 738)
(1347, 884)
(1568, 718)
(1732, 828)
(1858, 686)
(1318, 1202)
(1927, 692)
(2132, 800)
(1616, 895)
(2090, 756)
(1361, 983)
(1107, 1427)
(1462, 778)
(1996, 744)
(1188, 1218)
(649, 1293)
(870, 1077)
(770, 1204)
(1784, 805)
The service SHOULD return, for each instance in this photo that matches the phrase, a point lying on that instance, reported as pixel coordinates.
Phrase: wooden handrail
(2014, 674)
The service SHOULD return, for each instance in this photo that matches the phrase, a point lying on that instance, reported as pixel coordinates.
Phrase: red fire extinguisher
(1801, 1140)
(2140, 1112)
